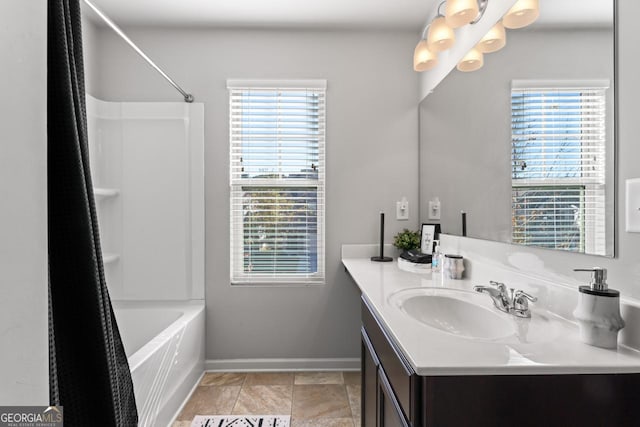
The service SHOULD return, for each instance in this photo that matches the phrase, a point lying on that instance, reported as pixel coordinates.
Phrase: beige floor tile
(210, 400)
(352, 377)
(222, 378)
(264, 400)
(319, 378)
(181, 424)
(269, 378)
(322, 422)
(320, 401)
(353, 391)
(357, 421)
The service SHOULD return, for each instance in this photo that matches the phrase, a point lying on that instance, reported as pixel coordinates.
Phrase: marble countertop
(434, 352)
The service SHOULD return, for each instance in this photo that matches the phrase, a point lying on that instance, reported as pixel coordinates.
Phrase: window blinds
(558, 167)
(277, 178)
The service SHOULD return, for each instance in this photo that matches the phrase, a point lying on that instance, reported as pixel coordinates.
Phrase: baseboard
(254, 365)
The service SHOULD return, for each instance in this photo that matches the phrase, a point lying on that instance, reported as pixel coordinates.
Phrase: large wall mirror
(525, 145)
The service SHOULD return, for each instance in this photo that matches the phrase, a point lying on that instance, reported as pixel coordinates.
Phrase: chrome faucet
(505, 299)
(498, 293)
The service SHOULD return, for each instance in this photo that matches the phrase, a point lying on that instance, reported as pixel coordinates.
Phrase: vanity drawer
(403, 381)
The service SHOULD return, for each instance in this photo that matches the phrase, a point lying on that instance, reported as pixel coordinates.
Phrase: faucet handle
(501, 286)
(522, 295)
(521, 303)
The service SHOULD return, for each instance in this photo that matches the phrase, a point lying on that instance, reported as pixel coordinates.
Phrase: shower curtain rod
(187, 96)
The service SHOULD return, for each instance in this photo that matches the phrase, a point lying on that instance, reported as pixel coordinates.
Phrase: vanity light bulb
(494, 40)
(440, 36)
(523, 13)
(423, 58)
(460, 12)
(472, 61)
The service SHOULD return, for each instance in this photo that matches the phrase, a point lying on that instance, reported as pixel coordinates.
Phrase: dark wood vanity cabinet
(394, 396)
(369, 371)
(390, 388)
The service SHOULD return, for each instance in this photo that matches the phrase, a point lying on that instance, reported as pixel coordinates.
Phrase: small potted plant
(411, 258)
(407, 240)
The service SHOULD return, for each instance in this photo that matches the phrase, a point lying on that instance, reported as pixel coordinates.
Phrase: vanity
(495, 167)
(436, 353)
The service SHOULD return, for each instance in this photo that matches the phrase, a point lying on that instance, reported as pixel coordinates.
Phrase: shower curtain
(89, 374)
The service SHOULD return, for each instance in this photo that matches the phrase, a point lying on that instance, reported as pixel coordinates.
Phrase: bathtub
(164, 343)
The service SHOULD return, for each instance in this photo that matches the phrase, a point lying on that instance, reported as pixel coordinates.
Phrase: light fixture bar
(482, 7)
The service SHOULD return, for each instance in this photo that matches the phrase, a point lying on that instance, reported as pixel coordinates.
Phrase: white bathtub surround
(539, 350)
(164, 342)
(147, 165)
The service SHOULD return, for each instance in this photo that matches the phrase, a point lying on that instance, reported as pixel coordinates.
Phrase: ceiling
(320, 14)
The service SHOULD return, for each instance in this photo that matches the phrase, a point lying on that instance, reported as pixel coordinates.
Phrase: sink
(471, 315)
(463, 313)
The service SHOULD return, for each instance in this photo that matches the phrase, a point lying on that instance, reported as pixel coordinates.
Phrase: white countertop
(434, 352)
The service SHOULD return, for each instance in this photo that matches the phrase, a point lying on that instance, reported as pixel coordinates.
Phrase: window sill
(277, 285)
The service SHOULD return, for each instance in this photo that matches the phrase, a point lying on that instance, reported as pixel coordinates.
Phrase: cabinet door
(369, 397)
(390, 414)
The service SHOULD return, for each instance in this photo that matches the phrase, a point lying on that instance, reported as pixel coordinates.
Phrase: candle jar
(453, 266)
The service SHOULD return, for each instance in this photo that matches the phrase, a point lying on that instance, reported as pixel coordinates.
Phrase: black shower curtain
(89, 373)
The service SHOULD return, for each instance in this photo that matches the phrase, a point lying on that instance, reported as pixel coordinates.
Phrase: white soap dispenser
(598, 311)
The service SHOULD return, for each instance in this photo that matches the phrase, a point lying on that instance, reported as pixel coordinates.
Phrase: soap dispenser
(598, 311)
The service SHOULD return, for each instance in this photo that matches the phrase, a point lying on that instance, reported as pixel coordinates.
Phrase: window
(277, 179)
(558, 165)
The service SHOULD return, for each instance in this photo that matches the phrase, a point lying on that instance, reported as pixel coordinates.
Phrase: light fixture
(440, 36)
(461, 12)
(494, 40)
(472, 61)
(423, 58)
(523, 13)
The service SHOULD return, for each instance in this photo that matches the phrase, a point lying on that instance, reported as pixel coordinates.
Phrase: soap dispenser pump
(598, 311)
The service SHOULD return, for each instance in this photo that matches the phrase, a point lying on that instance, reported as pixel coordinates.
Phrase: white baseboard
(280, 365)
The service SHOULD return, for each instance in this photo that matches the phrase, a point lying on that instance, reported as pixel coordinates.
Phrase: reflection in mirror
(525, 145)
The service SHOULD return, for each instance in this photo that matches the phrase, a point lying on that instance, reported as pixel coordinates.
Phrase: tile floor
(313, 399)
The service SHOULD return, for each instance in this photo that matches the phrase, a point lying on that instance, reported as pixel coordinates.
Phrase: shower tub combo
(148, 174)
(165, 349)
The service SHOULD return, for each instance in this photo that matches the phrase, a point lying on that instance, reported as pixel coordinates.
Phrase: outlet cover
(434, 209)
(402, 211)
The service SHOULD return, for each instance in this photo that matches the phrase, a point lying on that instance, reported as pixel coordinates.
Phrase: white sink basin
(463, 313)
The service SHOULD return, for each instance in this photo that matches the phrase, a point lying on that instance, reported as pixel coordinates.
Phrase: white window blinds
(277, 179)
(558, 167)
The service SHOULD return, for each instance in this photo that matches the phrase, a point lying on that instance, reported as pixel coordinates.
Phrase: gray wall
(465, 124)
(372, 144)
(24, 378)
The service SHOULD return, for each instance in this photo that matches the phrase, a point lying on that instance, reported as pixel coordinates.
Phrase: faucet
(505, 299)
(498, 293)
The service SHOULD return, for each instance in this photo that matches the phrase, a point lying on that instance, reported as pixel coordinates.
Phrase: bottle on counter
(436, 259)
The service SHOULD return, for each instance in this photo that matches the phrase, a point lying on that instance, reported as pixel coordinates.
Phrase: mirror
(525, 145)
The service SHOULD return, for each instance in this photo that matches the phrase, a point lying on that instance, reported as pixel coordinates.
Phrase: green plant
(407, 239)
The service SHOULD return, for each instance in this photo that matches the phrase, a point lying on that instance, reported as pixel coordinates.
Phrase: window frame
(239, 186)
(592, 228)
